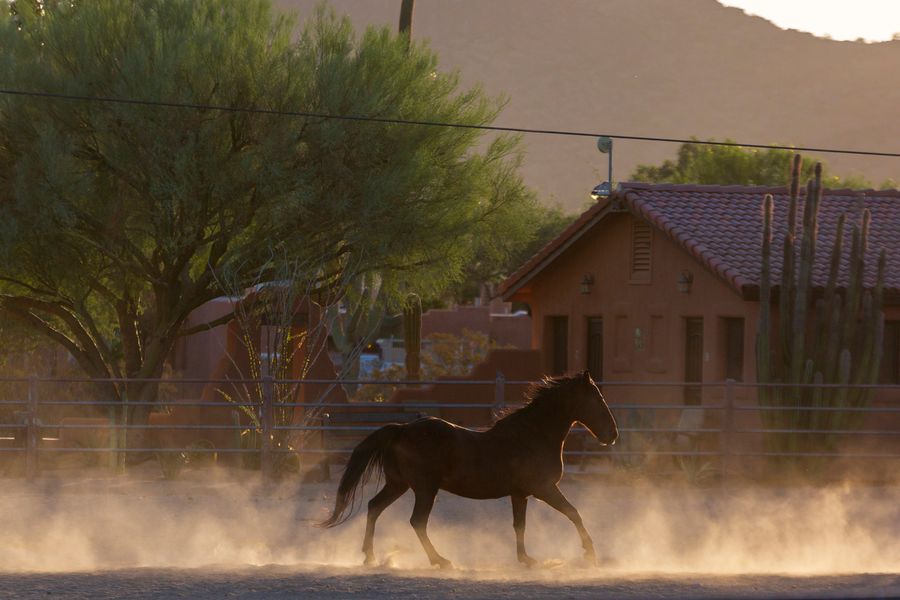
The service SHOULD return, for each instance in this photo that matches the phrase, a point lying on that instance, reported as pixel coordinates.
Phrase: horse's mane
(539, 397)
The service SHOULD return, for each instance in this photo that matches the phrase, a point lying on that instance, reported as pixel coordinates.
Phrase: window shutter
(641, 237)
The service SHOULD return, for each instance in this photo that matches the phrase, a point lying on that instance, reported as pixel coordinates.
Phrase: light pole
(603, 190)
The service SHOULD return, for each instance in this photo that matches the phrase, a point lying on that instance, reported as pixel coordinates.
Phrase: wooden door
(559, 331)
(595, 347)
(693, 359)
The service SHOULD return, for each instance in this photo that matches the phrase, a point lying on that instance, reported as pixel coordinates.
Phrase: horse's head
(592, 412)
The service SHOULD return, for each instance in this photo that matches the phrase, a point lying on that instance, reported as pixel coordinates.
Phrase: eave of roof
(553, 249)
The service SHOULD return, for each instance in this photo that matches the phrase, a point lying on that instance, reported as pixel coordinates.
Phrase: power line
(392, 121)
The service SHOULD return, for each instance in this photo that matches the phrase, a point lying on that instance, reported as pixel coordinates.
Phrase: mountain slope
(655, 68)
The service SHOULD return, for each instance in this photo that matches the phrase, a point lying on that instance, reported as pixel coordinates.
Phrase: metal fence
(728, 427)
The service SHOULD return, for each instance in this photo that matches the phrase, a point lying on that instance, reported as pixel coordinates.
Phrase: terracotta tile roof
(721, 226)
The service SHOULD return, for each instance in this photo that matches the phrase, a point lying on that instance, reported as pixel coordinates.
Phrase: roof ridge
(743, 188)
(699, 187)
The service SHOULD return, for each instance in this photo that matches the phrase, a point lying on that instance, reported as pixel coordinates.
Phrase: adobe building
(495, 319)
(660, 283)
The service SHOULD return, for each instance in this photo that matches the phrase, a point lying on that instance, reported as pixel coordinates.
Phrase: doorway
(693, 359)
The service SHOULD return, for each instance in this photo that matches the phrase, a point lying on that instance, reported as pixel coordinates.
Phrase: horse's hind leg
(519, 506)
(419, 521)
(392, 490)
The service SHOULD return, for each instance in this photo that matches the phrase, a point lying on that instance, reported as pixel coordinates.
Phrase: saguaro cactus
(839, 343)
(412, 335)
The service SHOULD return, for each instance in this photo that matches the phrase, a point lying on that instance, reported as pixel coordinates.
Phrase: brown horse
(520, 456)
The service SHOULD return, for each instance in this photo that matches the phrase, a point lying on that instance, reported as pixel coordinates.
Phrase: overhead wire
(422, 123)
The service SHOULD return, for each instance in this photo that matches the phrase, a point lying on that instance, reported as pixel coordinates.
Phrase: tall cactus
(844, 344)
(412, 335)
(354, 328)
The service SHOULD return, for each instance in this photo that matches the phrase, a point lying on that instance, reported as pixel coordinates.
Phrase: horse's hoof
(444, 564)
(527, 561)
(605, 562)
(369, 561)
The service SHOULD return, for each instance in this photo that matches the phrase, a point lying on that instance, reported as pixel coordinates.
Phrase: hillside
(656, 68)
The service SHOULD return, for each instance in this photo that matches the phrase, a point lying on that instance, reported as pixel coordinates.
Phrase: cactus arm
(804, 280)
(824, 333)
(764, 330)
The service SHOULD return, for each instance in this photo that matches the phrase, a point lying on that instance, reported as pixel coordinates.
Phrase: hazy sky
(872, 20)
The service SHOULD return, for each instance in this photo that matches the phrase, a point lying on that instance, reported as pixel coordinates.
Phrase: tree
(499, 252)
(735, 165)
(119, 219)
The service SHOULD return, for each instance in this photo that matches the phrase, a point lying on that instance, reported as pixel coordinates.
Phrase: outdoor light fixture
(587, 282)
(603, 190)
(685, 280)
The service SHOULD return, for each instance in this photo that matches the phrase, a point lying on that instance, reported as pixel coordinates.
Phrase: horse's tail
(367, 457)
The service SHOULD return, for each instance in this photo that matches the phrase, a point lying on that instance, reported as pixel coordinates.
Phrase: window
(558, 330)
(890, 358)
(734, 348)
(641, 237)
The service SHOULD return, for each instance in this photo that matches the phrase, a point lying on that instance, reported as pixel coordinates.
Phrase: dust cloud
(211, 519)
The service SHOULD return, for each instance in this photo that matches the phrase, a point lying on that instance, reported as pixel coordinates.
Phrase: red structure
(495, 319)
(513, 364)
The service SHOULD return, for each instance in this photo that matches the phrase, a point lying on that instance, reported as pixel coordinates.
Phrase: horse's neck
(545, 428)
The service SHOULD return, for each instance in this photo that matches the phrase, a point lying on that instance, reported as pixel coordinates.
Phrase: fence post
(122, 435)
(113, 456)
(31, 432)
(499, 394)
(727, 437)
(266, 422)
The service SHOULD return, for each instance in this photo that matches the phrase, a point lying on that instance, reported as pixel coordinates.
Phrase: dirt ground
(214, 536)
(310, 582)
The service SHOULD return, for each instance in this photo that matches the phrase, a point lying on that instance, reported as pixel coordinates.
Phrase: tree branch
(208, 325)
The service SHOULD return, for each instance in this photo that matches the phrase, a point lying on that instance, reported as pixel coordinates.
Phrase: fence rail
(717, 428)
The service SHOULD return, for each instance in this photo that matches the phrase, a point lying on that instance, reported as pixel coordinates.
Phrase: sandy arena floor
(212, 537)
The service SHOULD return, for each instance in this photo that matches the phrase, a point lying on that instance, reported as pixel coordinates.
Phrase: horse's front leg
(555, 498)
(519, 506)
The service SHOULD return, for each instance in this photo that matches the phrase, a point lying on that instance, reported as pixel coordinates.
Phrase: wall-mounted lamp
(587, 282)
(685, 281)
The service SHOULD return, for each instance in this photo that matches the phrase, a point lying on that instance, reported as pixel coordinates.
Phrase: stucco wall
(658, 311)
(643, 323)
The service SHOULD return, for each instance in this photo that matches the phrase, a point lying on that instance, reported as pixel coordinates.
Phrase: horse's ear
(586, 375)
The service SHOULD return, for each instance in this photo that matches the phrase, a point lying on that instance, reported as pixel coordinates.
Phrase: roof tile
(722, 227)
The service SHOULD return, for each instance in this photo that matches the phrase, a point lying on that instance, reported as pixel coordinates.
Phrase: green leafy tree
(119, 219)
(508, 245)
(736, 165)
